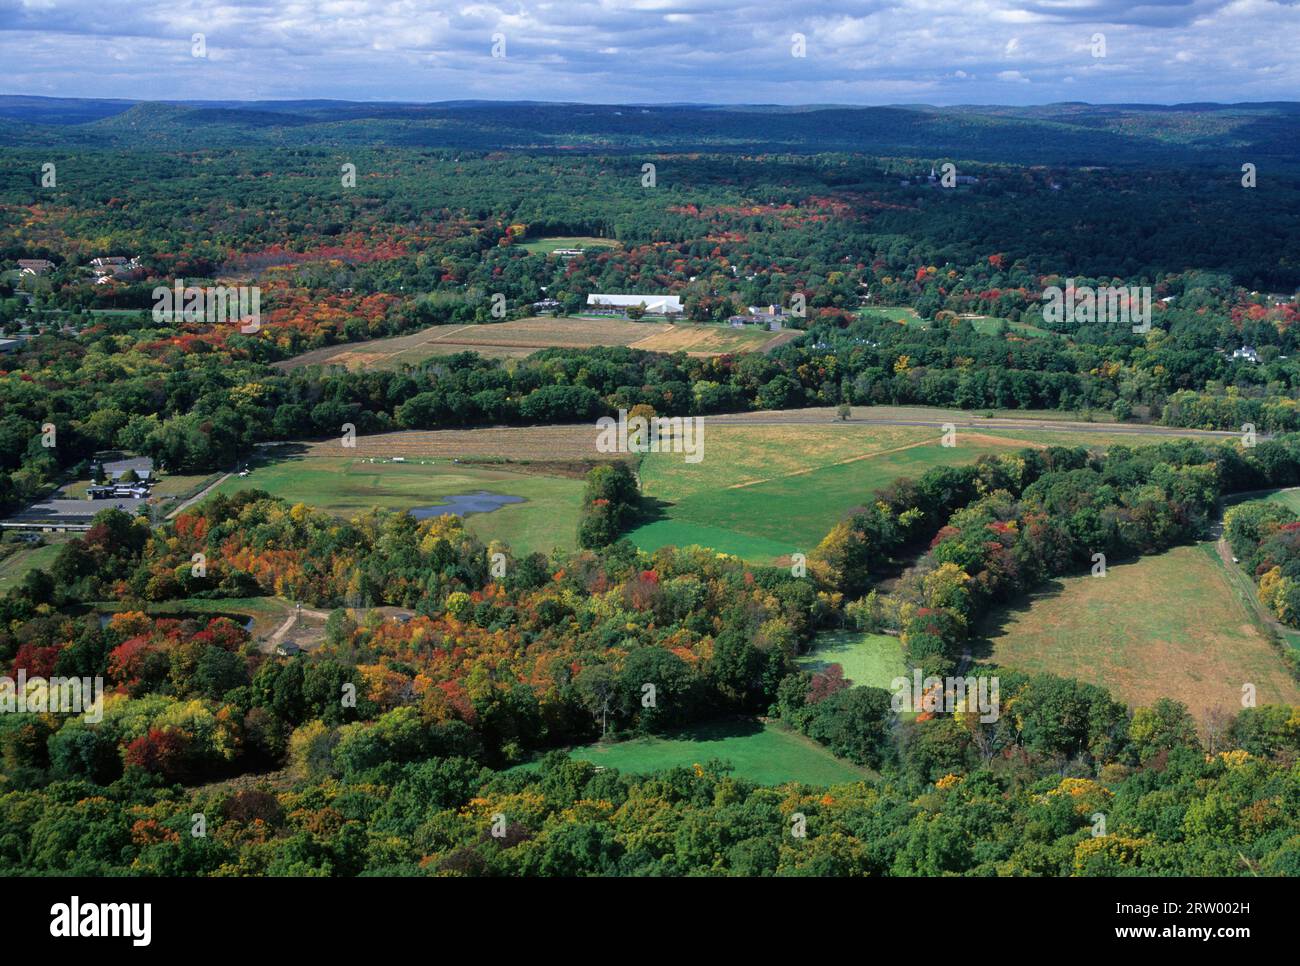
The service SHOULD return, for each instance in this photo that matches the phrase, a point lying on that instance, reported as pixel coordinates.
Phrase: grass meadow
(1173, 625)
(765, 492)
(868, 660)
(346, 486)
(763, 753)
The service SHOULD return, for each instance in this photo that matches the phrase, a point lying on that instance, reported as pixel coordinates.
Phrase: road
(199, 496)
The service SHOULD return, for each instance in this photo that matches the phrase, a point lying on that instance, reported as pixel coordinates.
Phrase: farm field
(545, 246)
(983, 324)
(988, 324)
(1174, 625)
(522, 337)
(749, 495)
(346, 486)
(766, 754)
(870, 660)
(14, 567)
(577, 441)
(764, 492)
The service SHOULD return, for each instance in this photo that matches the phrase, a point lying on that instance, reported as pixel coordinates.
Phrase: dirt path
(272, 642)
(199, 496)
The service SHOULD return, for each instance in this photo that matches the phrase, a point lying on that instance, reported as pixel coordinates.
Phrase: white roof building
(657, 304)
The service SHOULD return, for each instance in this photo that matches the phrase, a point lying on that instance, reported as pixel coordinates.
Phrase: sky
(938, 52)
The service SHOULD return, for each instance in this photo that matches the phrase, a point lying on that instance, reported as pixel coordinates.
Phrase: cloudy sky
(714, 51)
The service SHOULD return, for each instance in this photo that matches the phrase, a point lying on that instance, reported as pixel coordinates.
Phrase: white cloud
(859, 51)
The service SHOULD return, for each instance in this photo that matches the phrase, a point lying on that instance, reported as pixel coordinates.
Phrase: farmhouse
(112, 265)
(34, 266)
(1246, 352)
(666, 305)
(769, 316)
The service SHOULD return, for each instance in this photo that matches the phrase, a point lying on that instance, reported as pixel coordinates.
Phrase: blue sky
(658, 51)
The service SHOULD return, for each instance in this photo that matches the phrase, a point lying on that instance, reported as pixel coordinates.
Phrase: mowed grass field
(346, 486)
(770, 484)
(14, 567)
(1289, 498)
(765, 492)
(1173, 625)
(868, 660)
(766, 754)
(522, 337)
(983, 324)
(545, 246)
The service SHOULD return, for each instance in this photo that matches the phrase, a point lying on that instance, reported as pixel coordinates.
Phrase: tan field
(523, 337)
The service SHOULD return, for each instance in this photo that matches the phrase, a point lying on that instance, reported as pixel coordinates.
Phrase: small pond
(466, 503)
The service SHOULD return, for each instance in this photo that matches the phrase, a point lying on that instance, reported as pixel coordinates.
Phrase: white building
(653, 304)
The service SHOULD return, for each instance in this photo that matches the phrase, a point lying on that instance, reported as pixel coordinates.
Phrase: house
(547, 305)
(34, 266)
(288, 649)
(769, 316)
(666, 305)
(9, 345)
(113, 265)
(567, 252)
(1246, 352)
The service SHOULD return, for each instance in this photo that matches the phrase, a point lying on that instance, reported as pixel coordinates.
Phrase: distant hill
(1071, 133)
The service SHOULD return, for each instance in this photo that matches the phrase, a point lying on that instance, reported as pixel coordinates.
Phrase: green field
(766, 754)
(547, 245)
(1174, 625)
(1289, 498)
(988, 324)
(765, 492)
(869, 660)
(347, 486)
(14, 567)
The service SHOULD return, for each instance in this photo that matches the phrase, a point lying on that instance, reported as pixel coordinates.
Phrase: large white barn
(654, 304)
